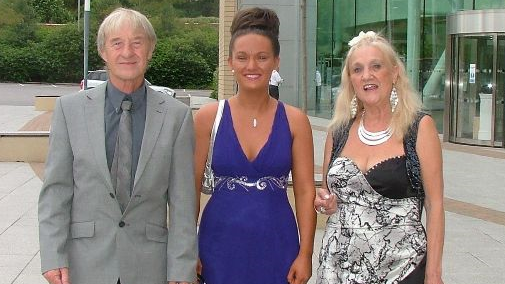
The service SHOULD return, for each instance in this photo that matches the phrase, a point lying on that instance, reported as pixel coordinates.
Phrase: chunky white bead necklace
(373, 138)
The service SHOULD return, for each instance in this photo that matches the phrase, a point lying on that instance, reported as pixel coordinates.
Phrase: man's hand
(57, 276)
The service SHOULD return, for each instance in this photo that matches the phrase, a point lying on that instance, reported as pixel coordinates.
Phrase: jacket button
(111, 195)
(121, 224)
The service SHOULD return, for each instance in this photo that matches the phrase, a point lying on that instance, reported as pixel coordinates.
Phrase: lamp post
(78, 15)
(304, 54)
(86, 41)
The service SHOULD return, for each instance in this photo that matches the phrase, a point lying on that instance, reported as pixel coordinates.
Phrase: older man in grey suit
(98, 224)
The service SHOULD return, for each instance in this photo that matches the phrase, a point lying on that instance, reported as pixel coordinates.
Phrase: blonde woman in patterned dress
(383, 165)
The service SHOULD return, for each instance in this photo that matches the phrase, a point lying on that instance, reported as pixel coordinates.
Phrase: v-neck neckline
(252, 161)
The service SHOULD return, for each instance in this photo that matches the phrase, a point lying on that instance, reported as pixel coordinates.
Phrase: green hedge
(57, 57)
(182, 61)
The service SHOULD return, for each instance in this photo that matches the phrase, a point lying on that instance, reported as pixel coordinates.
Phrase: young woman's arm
(304, 191)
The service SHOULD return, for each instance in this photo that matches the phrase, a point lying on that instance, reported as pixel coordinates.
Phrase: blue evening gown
(248, 232)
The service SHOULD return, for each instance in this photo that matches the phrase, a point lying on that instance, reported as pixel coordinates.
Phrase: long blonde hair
(409, 103)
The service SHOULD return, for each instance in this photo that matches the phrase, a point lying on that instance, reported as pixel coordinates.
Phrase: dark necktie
(122, 162)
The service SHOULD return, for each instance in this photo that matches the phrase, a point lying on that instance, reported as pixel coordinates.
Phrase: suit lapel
(94, 112)
(155, 115)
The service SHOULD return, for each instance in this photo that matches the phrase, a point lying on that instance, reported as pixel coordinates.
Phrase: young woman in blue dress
(248, 232)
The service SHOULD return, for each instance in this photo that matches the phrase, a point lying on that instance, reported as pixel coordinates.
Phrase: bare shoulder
(204, 117)
(428, 140)
(427, 126)
(296, 118)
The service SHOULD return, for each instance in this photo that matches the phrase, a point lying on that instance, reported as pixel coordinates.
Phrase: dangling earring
(232, 71)
(393, 99)
(354, 106)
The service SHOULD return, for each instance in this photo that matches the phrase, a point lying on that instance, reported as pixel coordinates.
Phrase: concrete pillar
(485, 119)
(413, 41)
(226, 81)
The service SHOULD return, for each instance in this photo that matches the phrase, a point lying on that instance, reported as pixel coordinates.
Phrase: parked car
(97, 77)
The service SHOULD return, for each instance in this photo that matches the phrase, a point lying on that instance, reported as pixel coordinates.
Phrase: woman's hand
(325, 203)
(198, 270)
(300, 270)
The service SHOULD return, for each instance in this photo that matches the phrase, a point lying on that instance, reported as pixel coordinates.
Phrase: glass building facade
(417, 29)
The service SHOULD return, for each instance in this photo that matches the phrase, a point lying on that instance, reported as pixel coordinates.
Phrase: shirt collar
(116, 97)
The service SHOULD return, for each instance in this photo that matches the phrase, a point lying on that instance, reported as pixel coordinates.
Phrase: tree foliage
(196, 8)
(162, 16)
(17, 23)
(52, 11)
(101, 8)
(186, 55)
(10, 16)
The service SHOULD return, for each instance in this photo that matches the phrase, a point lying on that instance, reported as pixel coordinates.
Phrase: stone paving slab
(474, 187)
(19, 188)
(13, 118)
(475, 179)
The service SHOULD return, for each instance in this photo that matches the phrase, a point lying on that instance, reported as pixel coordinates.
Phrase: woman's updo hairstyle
(261, 21)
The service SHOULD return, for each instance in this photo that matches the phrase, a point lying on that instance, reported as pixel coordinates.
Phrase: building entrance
(476, 83)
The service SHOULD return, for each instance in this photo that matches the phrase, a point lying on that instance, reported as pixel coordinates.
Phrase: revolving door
(475, 87)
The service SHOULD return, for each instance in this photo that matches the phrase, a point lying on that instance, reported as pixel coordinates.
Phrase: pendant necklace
(373, 138)
(255, 120)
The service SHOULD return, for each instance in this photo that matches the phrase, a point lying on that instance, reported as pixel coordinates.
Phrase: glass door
(499, 119)
(473, 86)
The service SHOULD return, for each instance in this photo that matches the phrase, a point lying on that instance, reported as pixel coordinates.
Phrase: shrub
(215, 85)
(57, 58)
(12, 63)
(177, 65)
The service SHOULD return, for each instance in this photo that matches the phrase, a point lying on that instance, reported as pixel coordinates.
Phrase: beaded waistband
(248, 183)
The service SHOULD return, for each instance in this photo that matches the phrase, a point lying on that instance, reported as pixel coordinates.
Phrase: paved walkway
(475, 210)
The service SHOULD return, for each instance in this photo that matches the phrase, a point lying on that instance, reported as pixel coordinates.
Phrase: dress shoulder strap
(281, 110)
(339, 138)
(412, 160)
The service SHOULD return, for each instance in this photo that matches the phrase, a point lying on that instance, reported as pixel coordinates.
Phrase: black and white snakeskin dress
(376, 235)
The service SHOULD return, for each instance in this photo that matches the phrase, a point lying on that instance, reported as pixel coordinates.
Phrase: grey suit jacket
(80, 222)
